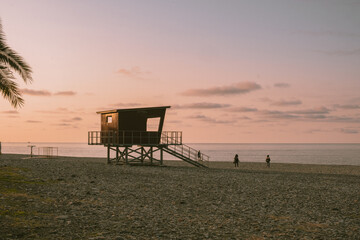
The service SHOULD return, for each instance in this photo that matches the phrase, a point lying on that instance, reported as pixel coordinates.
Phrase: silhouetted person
(199, 156)
(268, 161)
(236, 160)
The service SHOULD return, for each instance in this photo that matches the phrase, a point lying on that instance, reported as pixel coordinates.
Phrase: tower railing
(134, 138)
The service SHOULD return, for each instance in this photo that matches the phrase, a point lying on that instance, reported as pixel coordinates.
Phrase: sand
(84, 198)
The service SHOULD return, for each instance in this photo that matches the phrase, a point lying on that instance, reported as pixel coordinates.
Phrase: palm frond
(11, 58)
(9, 88)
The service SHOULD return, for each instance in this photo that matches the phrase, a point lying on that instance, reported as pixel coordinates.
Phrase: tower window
(153, 124)
(109, 119)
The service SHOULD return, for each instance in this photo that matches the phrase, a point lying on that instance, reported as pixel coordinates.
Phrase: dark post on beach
(0, 148)
(31, 149)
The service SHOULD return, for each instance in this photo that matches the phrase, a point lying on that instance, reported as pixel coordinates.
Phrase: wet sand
(84, 198)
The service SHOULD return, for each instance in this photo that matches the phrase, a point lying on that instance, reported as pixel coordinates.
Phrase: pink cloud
(282, 85)
(134, 72)
(33, 121)
(203, 105)
(348, 106)
(31, 92)
(234, 89)
(120, 105)
(46, 93)
(74, 119)
(10, 112)
(243, 109)
(65, 93)
(287, 103)
(211, 120)
(349, 131)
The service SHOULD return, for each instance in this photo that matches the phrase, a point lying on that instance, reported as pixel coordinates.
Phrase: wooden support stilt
(108, 154)
(151, 155)
(142, 154)
(161, 156)
(126, 155)
(117, 155)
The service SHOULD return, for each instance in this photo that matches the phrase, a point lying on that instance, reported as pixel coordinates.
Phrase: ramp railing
(190, 153)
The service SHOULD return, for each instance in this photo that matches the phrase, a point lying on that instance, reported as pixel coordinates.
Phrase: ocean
(332, 154)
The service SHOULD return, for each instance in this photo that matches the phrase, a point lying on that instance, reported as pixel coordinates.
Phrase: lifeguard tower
(136, 137)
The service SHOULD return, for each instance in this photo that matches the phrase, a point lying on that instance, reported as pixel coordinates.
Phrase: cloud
(234, 89)
(319, 110)
(65, 93)
(65, 125)
(10, 112)
(121, 105)
(343, 119)
(202, 105)
(134, 73)
(243, 109)
(278, 114)
(31, 92)
(282, 85)
(174, 121)
(210, 120)
(45, 93)
(329, 33)
(33, 121)
(341, 53)
(56, 111)
(315, 130)
(315, 114)
(349, 131)
(348, 106)
(284, 103)
(74, 119)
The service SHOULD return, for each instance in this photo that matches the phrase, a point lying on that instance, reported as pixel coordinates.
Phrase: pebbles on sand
(83, 198)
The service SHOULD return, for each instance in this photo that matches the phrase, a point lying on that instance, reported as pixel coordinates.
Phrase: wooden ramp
(188, 155)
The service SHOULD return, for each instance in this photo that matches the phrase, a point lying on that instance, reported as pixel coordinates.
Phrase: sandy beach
(84, 198)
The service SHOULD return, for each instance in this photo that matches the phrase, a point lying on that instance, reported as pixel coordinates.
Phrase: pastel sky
(241, 71)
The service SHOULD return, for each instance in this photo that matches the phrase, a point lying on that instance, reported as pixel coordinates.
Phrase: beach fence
(48, 152)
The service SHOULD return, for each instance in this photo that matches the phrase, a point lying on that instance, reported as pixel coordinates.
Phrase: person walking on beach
(268, 161)
(199, 155)
(236, 160)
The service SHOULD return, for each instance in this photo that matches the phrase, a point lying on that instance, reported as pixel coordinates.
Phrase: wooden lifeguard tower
(128, 132)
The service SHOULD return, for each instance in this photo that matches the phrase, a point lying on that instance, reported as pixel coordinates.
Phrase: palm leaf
(11, 61)
(9, 88)
(11, 58)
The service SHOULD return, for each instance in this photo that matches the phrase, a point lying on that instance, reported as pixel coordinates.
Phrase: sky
(233, 71)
